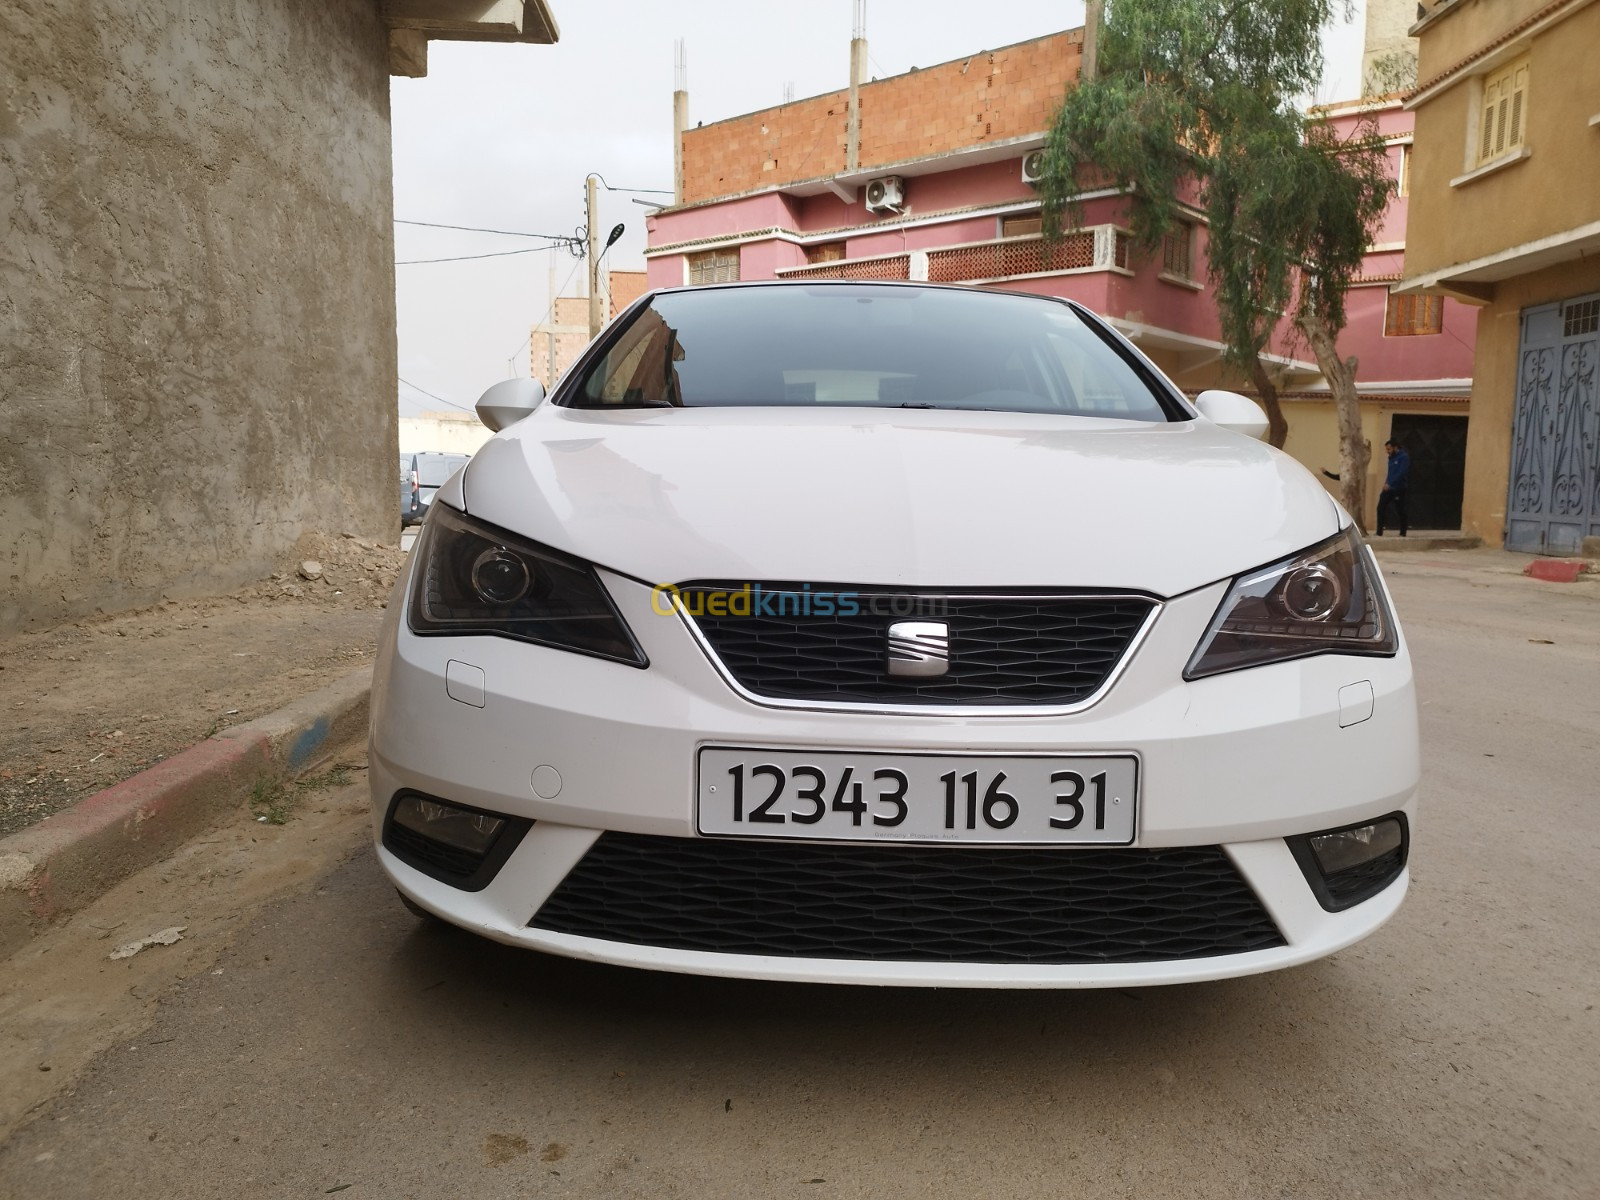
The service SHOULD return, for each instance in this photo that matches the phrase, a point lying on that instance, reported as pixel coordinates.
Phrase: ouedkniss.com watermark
(759, 600)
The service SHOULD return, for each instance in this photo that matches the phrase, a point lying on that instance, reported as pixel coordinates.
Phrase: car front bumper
(1241, 761)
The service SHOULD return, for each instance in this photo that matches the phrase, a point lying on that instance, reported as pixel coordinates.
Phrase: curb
(57, 866)
(1448, 542)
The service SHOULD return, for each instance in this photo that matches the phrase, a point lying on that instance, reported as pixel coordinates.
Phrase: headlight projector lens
(1312, 593)
(500, 577)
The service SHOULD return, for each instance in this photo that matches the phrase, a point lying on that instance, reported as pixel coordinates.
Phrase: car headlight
(473, 578)
(1325, 600)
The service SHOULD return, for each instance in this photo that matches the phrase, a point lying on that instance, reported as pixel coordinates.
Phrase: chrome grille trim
(948, 710)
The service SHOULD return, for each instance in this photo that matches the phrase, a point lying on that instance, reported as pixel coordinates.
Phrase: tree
(1196, 103)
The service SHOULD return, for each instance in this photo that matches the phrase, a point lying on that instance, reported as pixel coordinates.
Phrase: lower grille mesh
(910, 903)
(446, 860)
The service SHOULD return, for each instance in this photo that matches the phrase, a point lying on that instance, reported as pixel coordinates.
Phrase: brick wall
(990, 96)
(626, 287)
(571, 320)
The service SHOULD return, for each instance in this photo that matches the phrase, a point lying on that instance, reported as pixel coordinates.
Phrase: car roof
(922, 284)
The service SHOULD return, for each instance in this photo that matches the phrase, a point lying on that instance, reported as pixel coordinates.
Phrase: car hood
(913, 497)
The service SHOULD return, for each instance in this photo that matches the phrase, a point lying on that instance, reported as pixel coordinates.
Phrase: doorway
(1438, 449)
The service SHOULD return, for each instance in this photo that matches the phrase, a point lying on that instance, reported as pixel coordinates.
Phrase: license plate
(846, 796)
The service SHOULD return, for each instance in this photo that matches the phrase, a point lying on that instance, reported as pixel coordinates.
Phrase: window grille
(1580, 317)
(714, 266)
(1175, 251)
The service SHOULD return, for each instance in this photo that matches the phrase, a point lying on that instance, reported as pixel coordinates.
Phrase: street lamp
(596, 318)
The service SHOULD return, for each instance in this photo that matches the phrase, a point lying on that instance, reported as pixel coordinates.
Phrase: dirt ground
(88, 704)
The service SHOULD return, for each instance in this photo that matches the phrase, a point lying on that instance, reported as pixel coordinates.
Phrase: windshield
(866, 346)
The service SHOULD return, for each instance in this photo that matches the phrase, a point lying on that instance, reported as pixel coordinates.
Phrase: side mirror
(508, 401)
(1233, 411)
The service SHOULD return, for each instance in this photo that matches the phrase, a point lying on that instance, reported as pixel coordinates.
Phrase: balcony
(879, 266)
(1097, 248)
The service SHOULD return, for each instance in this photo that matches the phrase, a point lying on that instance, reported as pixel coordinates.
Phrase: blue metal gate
(1554, 500)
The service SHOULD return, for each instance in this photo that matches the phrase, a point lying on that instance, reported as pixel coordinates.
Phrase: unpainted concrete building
(197, 324)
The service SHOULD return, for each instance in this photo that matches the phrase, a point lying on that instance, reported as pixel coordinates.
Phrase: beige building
(1505, 214)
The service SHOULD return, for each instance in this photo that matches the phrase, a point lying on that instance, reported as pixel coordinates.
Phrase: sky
(502, 137)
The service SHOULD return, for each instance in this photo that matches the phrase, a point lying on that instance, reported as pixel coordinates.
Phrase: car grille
(1004, 650)
(910, 903)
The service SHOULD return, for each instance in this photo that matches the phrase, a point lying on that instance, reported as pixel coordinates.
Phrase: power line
(430, 395)
(549, 237)
(412, 262)
(609, 188)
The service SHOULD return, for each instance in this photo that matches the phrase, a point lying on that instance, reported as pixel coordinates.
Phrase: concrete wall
(197, 347)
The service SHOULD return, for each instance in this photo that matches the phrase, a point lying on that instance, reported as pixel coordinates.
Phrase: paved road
(342, 1045)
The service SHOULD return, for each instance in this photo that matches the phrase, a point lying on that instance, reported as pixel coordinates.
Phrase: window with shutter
(1413, 316)
(714, 266)
(827, 252)
(1503, 119)
(1021, 224)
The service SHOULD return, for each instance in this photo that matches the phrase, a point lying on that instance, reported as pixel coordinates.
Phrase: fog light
(462, 828)
(1346, 866)
(1350, 848)
(461, 846)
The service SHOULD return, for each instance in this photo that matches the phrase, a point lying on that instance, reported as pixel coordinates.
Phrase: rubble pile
(340, 570)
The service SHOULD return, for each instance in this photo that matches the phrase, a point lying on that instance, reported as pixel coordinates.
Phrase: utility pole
(550, 321)
(595, 319)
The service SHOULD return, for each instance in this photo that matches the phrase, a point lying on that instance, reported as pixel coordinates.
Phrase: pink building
(927, 175)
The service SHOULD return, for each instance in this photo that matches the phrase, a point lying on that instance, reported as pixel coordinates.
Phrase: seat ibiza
(891, 634)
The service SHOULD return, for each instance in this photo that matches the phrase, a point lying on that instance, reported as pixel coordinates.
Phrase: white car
(891, 634)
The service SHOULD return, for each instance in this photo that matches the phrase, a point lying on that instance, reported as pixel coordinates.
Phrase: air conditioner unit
(1033, 168)
(886, 195)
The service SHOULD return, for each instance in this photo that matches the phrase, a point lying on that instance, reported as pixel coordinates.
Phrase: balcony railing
(1028, 255)
(1097, 248)
(882, 266)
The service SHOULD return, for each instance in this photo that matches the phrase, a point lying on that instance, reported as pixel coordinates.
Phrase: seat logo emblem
(919, 648)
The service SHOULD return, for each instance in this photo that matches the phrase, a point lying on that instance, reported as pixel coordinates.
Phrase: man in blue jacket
(1393, 496)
